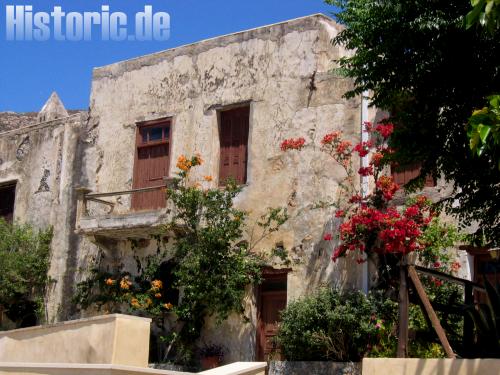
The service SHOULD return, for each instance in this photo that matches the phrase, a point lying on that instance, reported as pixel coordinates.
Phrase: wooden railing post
(430, 312)
(468, 332)
(403, 310)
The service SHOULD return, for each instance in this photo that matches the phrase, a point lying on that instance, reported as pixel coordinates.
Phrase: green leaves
(24, 264)
(484, 129)
(424, 67)
(485, 13)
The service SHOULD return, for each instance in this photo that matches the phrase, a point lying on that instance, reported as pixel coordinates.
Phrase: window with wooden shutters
(152, 160)
(403, 174)
(234, 125)
(7, 200)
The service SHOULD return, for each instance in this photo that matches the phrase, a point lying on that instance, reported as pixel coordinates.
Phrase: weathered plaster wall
(284, 72)
(41, 158)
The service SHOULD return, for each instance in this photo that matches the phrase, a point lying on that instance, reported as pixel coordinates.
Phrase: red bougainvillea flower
(437, 264)
(343, 147)
(377, 158)
(368, 126)
(356, 199)
(330, 138)
(340, 213)
(363, 148)
(387, 186)
(292, 144)
(412, 211)
(328, 237)
(385, 130)
(366, 171)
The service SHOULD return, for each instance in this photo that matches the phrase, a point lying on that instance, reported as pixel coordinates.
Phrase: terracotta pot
(210, 362)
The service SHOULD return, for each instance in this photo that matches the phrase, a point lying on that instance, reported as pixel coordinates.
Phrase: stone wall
(14, 120)
(284, 72)
(41, 158)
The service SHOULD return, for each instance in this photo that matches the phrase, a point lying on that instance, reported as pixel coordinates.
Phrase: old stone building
(233, 99)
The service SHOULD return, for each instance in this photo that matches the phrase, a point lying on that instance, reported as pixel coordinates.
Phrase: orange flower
(183, 163)
(168, 306)
(158, 295)
(149, 302)
(125, 283)
(156, 285)
(208, 178)
(135, 302)
(110, 281)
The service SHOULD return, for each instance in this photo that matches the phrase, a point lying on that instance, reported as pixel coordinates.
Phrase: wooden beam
(402, 351)
(124, 192)
(453, 279)
(430, 312)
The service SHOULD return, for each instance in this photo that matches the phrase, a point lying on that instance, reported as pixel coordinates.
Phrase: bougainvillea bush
(371, 224)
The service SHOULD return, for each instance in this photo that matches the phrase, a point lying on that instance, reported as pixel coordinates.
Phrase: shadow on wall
(321, 270)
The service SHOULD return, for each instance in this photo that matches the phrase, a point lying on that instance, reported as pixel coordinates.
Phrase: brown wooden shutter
(402, 175)
(151, 163)
(234, 144)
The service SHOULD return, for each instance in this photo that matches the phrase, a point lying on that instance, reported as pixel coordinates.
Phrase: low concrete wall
(110, 339)
(314, 368)
(237, 368)
(417, 366)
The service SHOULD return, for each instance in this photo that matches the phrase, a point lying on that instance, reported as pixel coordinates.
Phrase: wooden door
(234, 127)
(272, 300)
(151, 164)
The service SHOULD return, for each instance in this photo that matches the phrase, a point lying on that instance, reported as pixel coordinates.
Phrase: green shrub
(329, 325)
(24, 263)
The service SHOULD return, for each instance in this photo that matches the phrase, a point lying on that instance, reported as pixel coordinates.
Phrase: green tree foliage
(422, 65)
(484, 129)
(215, 263)
(486, 13)
(24, 263)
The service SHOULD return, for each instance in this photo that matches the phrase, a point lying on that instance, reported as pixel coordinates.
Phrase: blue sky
(30, 71)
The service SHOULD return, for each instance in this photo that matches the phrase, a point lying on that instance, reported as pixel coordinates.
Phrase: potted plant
(211, 356)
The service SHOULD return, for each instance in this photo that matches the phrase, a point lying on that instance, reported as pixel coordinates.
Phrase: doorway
(271, 300)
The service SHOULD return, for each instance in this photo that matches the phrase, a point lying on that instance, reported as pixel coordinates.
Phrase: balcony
(110, 214)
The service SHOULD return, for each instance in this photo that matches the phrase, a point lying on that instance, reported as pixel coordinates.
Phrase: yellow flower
(208, 178)
(158, 295)
(125, 283)
(156, 285)
(168, 306)
(110, 281)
